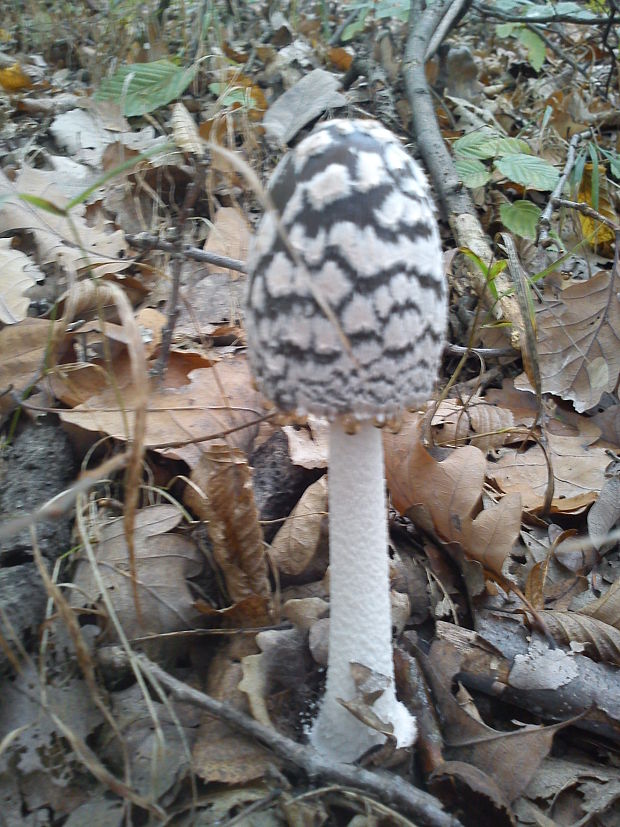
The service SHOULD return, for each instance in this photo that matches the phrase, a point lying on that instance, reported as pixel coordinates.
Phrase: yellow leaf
(601, 239)
(13, 79)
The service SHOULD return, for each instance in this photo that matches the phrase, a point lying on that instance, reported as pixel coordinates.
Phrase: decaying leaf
(164, 561)
(229, 236)
(26, 343)
(17, 274)
(579, 340)
(450, 492)
(195, 400)
(75, 246)
(296, 543)
(511, 759)
(234, 529)
(478, 423)
(578, 466)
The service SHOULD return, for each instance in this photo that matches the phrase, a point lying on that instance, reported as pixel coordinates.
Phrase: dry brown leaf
(163, 562)
(220, 754)
(450, 492)
(510, 758)
(295, 545)
(100, 251)
(606, 608)
(185, 131)
(477, 423)
(234, 529)
(601, 640)
(193, 401)
(26, 342)
(578, 468)
(579, 341)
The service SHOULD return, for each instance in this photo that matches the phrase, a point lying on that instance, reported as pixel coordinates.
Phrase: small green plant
(378, 9)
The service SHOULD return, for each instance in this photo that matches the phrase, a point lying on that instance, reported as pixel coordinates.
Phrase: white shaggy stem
(360, 613)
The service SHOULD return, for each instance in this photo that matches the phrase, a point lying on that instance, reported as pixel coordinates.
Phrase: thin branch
(390, 789)
(544, 222)
(149, 241)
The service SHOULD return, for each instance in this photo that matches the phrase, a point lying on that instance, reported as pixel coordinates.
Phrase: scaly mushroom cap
(360, 237)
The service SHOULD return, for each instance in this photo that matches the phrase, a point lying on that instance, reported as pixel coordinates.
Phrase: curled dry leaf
(476, 423)
(17, 274)
(511, 759)
(233, 524)
(450, 493)
(578, 467)
(296, 543)
(579, 340)
(606, 608)
(601, 641)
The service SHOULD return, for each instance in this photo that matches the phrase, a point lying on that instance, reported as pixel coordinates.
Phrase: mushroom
(345, 319)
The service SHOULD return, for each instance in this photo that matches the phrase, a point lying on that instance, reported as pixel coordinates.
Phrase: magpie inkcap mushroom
(345, 319)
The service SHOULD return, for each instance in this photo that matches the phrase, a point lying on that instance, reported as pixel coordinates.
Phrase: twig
(544, 222)
(585, 209)
(389, 789)
(489, 11)
(148, 241)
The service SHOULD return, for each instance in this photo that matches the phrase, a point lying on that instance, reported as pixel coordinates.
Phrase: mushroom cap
(346, 303)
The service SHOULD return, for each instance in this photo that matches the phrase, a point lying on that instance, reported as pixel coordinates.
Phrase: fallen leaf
(579, 341)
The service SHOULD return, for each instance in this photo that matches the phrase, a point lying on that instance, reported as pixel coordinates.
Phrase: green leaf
(520, 218)
(505, 29)
(143, 87)
(533, 173)
(511, 146)
(472, 172)
(229, 95)
(356, 27)
(478, 144)
(536, 49)
(488, 143)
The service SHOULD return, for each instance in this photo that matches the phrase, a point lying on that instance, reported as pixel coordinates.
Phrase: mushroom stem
(360, 612)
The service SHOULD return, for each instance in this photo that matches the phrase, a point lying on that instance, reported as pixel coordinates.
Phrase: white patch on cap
(331, 283)
(279, 276)
(299, 333)
(328, 186)
(396, 333)
(294, 206)
(370, 171)
(383, 301)
(342, 126)
(396, 157)
(367, 352)
(310, 249)
(359, 315)
(314, 144)
(366, 253)
(401, 287)
(326, 336)
(257, 301)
